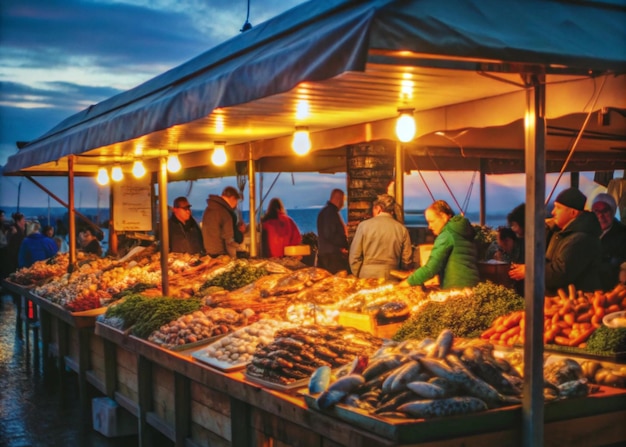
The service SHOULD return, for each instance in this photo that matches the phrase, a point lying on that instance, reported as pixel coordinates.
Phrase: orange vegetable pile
(569, 318)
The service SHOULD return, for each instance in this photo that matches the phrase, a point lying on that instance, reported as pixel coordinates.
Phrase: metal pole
(252, 198)
(483, 194)
(163, 225)
(399, 181)
(71, 214)
(535, 246)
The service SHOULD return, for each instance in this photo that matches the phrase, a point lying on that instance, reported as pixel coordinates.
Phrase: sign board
(132, 204)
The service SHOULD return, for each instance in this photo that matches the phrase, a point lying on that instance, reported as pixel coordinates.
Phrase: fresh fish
(487, 370)
(477, 387)
(347, 384)
(443, 407)
(439, 368)
(443, 344)
(427, 390)
(384, 364)
(330, 398)
(355, 401)
(561, 371)
(574, 388)
(393, 403)
(402, 375)
(319, 380)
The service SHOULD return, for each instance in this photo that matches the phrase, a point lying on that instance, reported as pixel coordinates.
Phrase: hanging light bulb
(405, 126)
(173, 163)
(218, 158)
(301, 143)
(103, 177)
(138, 169)
(116, 173)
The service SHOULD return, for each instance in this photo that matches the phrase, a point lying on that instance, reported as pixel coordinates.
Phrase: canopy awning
(457, 63)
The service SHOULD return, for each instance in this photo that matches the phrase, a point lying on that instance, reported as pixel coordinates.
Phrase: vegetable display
(465, 314)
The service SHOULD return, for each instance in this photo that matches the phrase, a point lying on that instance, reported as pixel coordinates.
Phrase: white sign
(132, 205)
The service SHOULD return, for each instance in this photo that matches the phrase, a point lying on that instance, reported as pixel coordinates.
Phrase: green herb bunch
(607, 340)
(466, 315)
(239, 275)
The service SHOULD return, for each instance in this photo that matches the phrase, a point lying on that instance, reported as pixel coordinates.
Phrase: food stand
(499, 79)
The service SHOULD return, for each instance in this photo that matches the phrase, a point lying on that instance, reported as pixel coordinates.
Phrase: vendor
(89, 242)
(453, 256)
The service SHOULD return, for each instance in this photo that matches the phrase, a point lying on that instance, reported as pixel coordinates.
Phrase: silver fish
(443, 344)
(347, 384)
(443, 407)
(319, 380)
(404, 374)
(329, 399)
(427, 390)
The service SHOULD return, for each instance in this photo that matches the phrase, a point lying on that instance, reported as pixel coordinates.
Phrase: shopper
(381, 243)
(89, 242)
(185, 234)
(35, 246)
(221, 232)
(574, 251)
(332, 236)
(612, 239)
(453, 256)
(279, 230)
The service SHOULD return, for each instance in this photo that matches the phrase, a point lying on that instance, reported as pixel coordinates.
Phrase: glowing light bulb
(301, 143)
(173, 163)
(405, 126)
(116, 173)
(138, 169)
(218, 158)
(103, 177)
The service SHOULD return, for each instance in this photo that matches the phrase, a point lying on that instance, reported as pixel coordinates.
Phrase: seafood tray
(292, 387)
(421, 430)
(218, 364)
(193, 345)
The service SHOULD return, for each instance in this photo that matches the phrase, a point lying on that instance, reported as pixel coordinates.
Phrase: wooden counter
(194, 404)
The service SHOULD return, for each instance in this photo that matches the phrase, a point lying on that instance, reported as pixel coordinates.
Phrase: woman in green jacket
(453, 256)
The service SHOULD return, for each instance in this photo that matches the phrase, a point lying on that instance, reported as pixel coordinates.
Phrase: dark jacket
(185, 237)
(331, 231)
(453, 257)
(573, 255)
(13, 247)
(219, 228)
(613, 244)
(93, 247)
(36, 247)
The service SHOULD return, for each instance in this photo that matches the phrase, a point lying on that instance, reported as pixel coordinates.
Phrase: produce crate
(369, 323)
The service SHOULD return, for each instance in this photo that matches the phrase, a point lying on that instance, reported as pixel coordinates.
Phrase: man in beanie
(612, 239)
(573, 253)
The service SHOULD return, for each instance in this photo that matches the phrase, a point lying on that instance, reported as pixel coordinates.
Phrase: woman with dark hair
(279, 230)
(453, 256)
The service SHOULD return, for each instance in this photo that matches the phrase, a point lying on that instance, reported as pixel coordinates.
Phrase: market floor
(33, 411)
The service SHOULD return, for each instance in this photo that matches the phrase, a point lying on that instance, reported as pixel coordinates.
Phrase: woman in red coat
(279, 230)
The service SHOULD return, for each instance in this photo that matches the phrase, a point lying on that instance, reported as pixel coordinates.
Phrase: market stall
(367, 63)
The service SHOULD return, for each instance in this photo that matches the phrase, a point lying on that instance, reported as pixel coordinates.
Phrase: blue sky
(57, 57)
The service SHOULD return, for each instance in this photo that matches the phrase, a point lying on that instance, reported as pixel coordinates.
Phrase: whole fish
(377, 367)
(443, 407)
(427, 390)
(402, 375)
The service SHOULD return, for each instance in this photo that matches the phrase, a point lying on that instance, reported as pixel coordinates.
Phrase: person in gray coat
(381, 243)
(221, 232)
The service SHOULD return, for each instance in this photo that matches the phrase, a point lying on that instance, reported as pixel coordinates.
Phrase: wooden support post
(44, 318)
(110, 367)
(83, 365)
(241, 432)
(182, 404)
(144, 391)
(62, 334)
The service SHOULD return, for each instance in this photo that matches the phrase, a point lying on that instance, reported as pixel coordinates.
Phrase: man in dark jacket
(220, 230)
(453, 256)
(332, 239)
(612, 239)
(185, 234)
(574, 251)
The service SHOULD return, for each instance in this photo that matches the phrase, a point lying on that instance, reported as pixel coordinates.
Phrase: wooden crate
(368, 323)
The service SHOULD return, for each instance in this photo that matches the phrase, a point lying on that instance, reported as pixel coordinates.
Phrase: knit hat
(608, 199)
(572, 198)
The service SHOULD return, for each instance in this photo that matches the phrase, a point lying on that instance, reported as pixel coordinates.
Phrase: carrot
(596, 321)
(567, 307)
(582, 337)
(569, 318)
(572, 291)
(488, 333)
(599, 311)
(510, 333)
(548, 336)
(612, 308)
(585, 317)
(562, 294)
(563, 341)
(612, 297)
